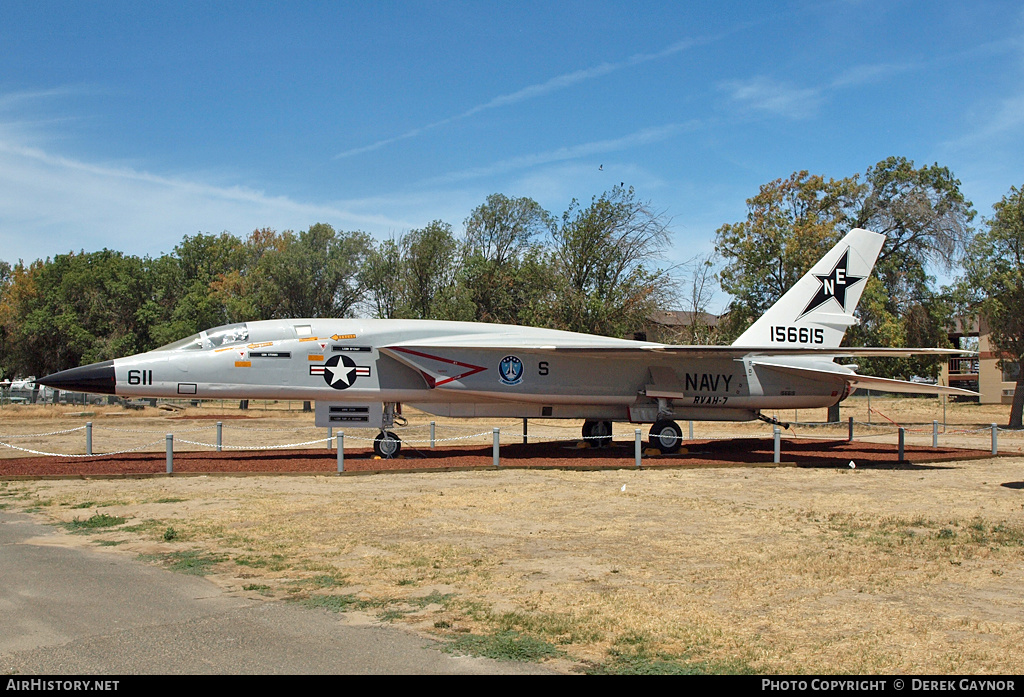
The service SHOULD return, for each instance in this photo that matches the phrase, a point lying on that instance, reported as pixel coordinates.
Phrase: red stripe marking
(431, 380)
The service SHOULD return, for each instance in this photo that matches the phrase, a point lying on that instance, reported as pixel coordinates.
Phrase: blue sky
(128, 125)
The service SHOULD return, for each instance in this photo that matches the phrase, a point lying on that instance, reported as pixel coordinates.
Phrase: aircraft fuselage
(352, 360)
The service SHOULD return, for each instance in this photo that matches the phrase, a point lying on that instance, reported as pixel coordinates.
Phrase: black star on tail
(834, 285)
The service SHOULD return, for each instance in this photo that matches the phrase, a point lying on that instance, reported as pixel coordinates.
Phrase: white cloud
(782, 99)
(51, 204)
(871, 73)
(1006, 118)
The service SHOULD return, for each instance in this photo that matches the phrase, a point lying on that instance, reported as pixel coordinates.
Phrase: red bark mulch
(741, 452)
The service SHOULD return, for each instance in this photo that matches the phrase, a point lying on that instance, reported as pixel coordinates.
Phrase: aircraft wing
(868, 382)
(743, 351)
(625, 348)
(446, 371)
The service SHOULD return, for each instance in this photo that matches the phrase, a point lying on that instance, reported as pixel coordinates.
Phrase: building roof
(683, 318)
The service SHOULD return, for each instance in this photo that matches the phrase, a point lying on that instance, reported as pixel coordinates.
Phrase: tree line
(927, 221)
(597, 269)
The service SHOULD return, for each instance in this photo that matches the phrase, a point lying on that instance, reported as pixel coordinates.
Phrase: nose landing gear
(387, 445)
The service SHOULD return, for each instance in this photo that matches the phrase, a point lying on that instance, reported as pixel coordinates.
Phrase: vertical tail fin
(818, 309)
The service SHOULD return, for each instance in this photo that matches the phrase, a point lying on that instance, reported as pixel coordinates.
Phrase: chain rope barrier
(117, 452)
(405, 431)
(147, 430)
(255, 447)
(267, 430)
(51, 433)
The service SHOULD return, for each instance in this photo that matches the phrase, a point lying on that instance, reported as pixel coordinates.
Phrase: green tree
(533, 290)
(695, 299)
(18, 292)
(606, 258)
(181, 302)
(75, 308)
(504, 252)
(315, 273)
(921, 211)
(790, 224)
(5, 286)
(430, 275)
(381, 276)
(244, 292)
(926, 221)
(993, 286)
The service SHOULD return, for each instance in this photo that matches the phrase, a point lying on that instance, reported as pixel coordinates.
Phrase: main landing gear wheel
(597, 433)
(387, 445)
(666, 436)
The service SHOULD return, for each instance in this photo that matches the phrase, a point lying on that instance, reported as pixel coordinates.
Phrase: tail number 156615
(798, 335)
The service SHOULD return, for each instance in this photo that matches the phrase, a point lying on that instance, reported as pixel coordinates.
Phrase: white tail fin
(817, 311)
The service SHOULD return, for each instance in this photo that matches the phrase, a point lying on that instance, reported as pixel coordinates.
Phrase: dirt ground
(715, 568)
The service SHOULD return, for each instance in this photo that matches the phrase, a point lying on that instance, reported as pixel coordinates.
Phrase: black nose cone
(97, 378)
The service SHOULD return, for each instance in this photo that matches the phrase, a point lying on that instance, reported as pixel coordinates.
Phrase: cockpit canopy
(211, 338)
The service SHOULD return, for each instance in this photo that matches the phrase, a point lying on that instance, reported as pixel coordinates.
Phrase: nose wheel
(666, 436)
(387, 445)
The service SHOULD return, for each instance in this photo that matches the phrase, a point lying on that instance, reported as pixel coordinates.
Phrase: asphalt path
(68, 610)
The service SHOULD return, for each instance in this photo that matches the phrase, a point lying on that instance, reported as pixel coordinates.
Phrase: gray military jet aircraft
(359, 371)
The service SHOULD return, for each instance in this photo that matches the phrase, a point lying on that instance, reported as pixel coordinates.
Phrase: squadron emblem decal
(834, 285)
(510, 371)
(340, 371)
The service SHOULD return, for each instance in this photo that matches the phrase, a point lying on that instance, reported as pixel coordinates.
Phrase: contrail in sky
(642, 137)
(559, 82)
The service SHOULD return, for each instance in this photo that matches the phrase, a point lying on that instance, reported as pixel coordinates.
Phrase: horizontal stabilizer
(867, 382)
(833, 320)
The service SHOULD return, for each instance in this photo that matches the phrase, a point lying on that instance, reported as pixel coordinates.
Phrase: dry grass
(720, 570)
(274, 423)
